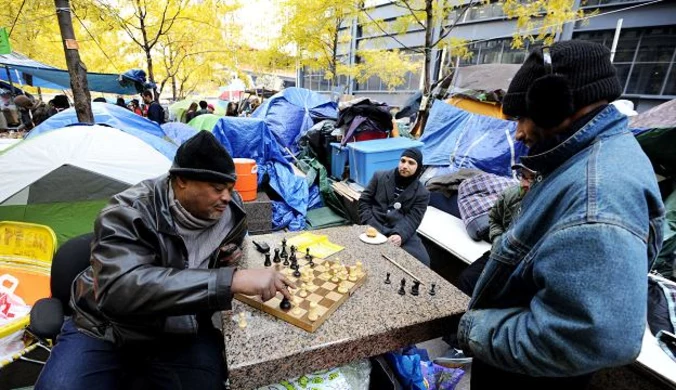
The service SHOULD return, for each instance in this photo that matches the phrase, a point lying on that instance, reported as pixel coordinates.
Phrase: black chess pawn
(296, 273)
(415, 289)
(311, 263)
(276, 259)
(432, 292)
(402, 290)
(387, 280)
(284, 253)
(267, 260)
(286, 261)
(285, 304)
(293, 257)
(293, 250)
(308, 256)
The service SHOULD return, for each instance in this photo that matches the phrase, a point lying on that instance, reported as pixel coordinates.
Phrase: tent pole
(11, 84)
(40, 93)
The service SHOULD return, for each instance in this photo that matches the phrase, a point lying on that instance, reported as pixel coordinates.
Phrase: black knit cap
(417, 156)
(203, 158)
(586, 68)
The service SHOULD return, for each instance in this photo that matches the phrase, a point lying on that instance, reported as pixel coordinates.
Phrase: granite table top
(374, 320)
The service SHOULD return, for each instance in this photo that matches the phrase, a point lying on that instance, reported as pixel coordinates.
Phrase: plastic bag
(354, 376)
(439, 377)
(12, 307)
(408, 370)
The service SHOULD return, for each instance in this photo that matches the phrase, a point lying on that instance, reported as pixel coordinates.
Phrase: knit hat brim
(203, 175)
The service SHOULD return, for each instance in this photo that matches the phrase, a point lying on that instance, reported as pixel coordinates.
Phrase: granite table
(374, 320)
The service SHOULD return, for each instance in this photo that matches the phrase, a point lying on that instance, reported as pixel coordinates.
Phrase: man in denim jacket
(564, 291)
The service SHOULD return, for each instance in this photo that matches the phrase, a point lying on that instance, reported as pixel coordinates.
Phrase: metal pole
(616, 38)
(11, 84)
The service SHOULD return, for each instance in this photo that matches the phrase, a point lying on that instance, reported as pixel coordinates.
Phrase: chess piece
(296, 272)
(313, 315)
(360, 268)
(342, 288)
(353, 274)
(293, 257)
(296, 307)
(432, 292)
(342, 275)
(285, 304)
(308, 257)
(402, 290)
(303, 291)
(276, 259)
(284, 254)
(334, 278)
(415, 289)
(242, 320)
(268, 263)
(286, 260)
(387, 280)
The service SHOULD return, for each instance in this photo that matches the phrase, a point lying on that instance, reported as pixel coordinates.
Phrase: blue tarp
(457, 139)
(251, 138)
(291, 112)
(116, 117)
(178, 132)
(25, 71)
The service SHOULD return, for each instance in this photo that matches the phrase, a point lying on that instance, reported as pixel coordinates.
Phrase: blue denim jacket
(565, 291)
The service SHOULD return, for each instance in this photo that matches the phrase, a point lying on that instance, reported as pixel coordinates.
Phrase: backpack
(662, 312)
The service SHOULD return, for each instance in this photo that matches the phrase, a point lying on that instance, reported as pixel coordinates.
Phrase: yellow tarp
(475, 107)
(319, 245)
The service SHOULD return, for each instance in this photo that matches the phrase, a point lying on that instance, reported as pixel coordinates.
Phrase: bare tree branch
(391, 35)
(413, 12)
(457, 19)
(407, 6)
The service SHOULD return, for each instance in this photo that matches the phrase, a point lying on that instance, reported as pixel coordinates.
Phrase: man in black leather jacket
(162, 264)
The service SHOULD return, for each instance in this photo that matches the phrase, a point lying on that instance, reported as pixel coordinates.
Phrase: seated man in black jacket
(162, 264)
(394, 203)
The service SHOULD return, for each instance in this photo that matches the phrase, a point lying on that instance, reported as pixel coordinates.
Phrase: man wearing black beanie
(563, 293)
(163, 260)
(394, 203)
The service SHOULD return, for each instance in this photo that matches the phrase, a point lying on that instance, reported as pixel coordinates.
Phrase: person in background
(564, 292)
(203, 108)
(5, 98)
(58, 104)
(155, 111)
(190, 113)
(26, 106)
(100, 99)
(231, 110)
(211, 108)
(120, 103)
(394, 203)
(135, 107)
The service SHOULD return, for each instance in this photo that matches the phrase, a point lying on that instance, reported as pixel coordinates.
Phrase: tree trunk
(429, 27)
(147, 49)
(334, 56)
(76, 69)
(173, 87)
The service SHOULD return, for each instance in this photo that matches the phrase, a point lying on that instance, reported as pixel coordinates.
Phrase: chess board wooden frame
(324, 292)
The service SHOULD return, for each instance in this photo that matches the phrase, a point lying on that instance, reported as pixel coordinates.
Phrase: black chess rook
(276, 259)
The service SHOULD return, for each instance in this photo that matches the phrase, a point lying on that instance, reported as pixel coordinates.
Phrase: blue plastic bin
(367, 157)
(339, 158)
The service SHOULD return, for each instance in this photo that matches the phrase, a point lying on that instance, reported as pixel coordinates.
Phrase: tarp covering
(63, 178)
(456, 139)
(291, 112)
(178, 132)
(205, 122)
(116, 117)
(251, 138)
(29, 72)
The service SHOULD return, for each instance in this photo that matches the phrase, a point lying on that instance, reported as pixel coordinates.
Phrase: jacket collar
(164, 220)
(608, 122)
(407, 193)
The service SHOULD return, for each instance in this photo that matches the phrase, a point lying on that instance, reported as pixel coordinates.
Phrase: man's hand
(395, 239)
(261, 282)
(230, 255)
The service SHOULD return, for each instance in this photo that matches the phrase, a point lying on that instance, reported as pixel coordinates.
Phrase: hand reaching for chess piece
(264, 283)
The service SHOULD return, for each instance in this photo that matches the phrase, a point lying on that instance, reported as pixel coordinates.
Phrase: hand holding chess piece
(264, 283)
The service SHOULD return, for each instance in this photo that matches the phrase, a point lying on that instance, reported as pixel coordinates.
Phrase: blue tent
(116, 117)
(178, 132)
(291, 112)
(26, 71)
(251, 138)
(456, 139)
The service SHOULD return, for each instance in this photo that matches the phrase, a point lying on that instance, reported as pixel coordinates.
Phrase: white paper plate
(377, 240)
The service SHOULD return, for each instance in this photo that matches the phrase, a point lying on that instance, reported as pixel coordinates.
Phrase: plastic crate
(367, 157)
(339, 158)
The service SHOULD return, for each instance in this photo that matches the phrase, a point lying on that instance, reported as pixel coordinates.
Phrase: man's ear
(181, 182)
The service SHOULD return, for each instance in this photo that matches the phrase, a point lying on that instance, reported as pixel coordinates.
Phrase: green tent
(205, 122)
(180, 107)
(63, 178)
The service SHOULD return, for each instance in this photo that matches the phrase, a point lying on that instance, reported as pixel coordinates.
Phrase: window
(497, 51)
(644, 58)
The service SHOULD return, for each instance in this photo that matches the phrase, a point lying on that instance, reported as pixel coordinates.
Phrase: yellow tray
(319, 245)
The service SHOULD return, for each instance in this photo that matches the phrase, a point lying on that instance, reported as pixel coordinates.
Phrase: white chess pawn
(360, 270)
(303, 291)
(313, 315)
(334, 278)
(353, 274)
(242, 320)
(342, 288)
(296, 309)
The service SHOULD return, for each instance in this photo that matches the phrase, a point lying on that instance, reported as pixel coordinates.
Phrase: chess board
(323, 291)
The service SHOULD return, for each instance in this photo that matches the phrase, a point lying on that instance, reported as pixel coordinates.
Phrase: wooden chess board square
(326, 302)
(314, 298)
(334, 296)
(329, 286)
(321, 310)
(299, 315)
(274, 302)
(324, 276)
(320, 268)
(348, 285)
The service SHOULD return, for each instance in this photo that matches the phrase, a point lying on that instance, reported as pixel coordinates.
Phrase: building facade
(645, 56)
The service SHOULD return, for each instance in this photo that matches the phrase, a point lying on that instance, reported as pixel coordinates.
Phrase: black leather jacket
(137, 287)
